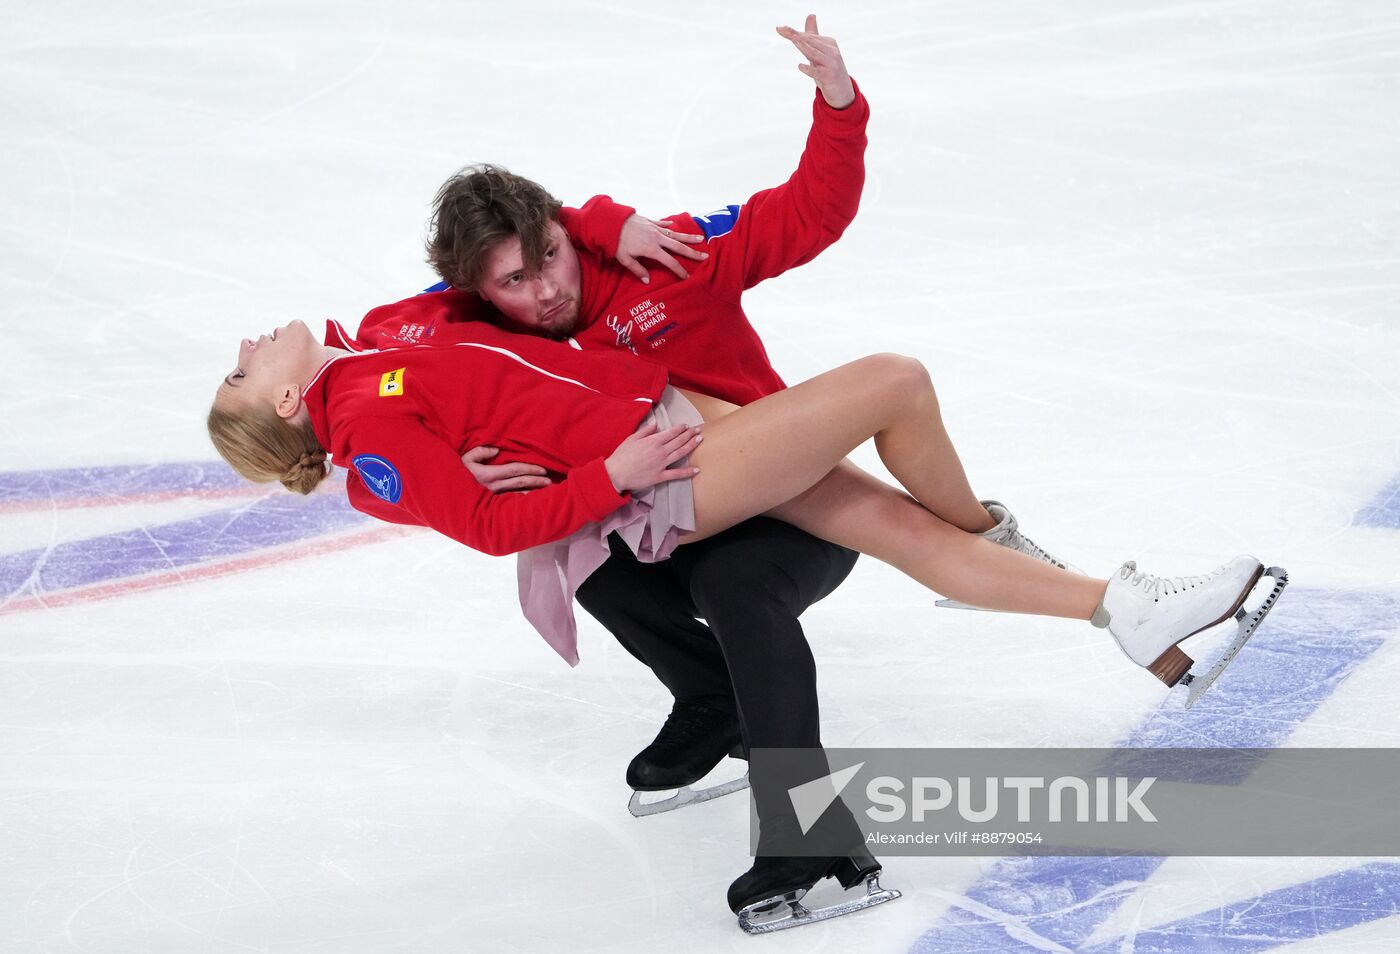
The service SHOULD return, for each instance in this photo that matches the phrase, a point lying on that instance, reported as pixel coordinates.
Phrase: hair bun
(307, 462)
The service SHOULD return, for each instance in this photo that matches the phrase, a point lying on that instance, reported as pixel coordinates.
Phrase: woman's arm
(406, 474)
(617, 231)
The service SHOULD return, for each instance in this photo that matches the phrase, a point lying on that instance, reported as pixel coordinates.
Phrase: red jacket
(401, 418)
(695, 327)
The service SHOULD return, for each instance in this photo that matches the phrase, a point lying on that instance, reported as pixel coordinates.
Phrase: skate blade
(1248, 623)
(684, 796)
(787, 910)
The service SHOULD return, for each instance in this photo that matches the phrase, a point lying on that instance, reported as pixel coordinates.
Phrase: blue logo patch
(380, 477)
(718, 222)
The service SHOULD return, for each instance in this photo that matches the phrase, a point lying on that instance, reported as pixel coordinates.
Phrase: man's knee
(759, 588)
(770, 562)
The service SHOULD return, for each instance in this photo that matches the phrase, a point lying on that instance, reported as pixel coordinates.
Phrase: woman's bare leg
(944, 492)
(772, 456)
(774, 449)
(857, 510)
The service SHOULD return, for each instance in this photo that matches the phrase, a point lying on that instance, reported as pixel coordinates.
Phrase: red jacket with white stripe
(695, 327)
(401, 418)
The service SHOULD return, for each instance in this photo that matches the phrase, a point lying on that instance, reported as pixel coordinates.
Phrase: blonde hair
(263, 447)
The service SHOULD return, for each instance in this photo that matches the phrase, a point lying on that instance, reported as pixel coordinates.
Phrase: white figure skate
(1149, 615)
(1007, 533)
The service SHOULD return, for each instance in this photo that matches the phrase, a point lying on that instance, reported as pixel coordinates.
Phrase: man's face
(545, 304)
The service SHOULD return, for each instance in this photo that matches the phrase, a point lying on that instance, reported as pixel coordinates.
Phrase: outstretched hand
(642, 238)
(645, 458)
(499, 478)
(824, 63)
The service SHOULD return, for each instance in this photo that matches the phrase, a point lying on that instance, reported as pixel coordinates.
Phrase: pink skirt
(651, 523)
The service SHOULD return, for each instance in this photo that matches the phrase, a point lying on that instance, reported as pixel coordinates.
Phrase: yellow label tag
(391, 383)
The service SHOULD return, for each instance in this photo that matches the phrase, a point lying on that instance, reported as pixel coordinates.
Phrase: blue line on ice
(1310, 644)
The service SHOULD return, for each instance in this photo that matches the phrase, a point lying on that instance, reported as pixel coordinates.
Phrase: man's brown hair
(480, 207)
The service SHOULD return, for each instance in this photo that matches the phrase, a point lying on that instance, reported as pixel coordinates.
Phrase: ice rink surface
(1149, 251)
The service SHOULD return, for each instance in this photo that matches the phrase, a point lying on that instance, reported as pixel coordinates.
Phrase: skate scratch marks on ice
(1015, 928)
(1384, 510)
(259, 530)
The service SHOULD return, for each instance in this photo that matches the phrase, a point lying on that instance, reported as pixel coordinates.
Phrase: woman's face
(269, 365)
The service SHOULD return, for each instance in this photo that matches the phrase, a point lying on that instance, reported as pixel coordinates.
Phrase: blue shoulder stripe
(718, 222)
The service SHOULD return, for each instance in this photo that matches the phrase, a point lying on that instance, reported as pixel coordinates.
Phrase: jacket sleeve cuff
(595, 489)
(852, 117)
(598, 224)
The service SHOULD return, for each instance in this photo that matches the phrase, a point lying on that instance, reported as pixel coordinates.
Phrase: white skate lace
(1159, 586)
(1028, 546)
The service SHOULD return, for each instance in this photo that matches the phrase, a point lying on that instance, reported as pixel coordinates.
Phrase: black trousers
(749, 584)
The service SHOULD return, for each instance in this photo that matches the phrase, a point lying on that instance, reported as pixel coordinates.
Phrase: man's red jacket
(695, 327)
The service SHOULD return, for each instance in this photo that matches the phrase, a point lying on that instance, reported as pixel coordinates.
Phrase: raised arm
(824, 65)
(791, 224)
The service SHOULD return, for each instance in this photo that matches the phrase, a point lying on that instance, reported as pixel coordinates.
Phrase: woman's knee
(907, 378)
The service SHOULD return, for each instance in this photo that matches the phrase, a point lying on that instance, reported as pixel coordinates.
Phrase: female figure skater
(629, 450)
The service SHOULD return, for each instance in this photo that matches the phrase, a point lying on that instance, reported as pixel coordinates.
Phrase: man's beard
(563, 331)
